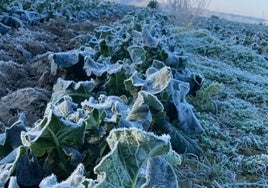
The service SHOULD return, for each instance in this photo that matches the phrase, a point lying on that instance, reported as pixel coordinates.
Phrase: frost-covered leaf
(105, 109)
(70, 59)
(78, 91)
(53, 139)
(160, 174)
(75, 180)
(13, 133)
(13, 182)
(186, 117)
(25, 165)
(103, 32)
(148, 39)
(49, 181)
(74, 155)
(54, 132)
(152, 101)
(102, 66)
(177, 85)
(64, 59)
(156, 80)
(11, 138)
(115, 84)
(195, 80)
(65, 107)
(139, 43)
(141, 112)
(7, 166)
(103, 102)
(175, 60)
(131, 150)
(137, 54)
(180, 143)
(28, 170)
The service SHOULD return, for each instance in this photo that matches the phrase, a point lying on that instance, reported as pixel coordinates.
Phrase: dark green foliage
(180, 142)
(28, 170)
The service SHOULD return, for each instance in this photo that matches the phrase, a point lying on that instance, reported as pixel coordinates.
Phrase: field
(106, 95)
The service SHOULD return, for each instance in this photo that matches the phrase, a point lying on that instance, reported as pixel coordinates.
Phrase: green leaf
(180, 143)
(133, 90)
(28, 170)
(141, 112)
(115, 84)
(56, 132)
(104, 49)
(157, 53)
(130, 151)
(78, 91)
(205, 95)
(25, 165)
(49, 140)
(74, 156)
(95, 118)
(11, 139)
(160, 174)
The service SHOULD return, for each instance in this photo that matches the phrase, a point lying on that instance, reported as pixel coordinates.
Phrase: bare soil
(25, 79)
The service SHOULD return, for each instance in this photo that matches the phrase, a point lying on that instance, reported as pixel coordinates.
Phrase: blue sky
(256, 8)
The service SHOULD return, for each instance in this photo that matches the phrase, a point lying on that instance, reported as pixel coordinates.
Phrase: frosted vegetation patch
(232, 57)
(129, 109)
(250, 35)
(208, 45)
(113, 122)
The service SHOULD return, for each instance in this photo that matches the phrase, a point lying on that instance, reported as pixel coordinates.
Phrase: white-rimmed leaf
(131, 149)
(156, 80)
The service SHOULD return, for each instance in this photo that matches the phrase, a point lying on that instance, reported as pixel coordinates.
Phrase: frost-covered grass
(235, 117)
